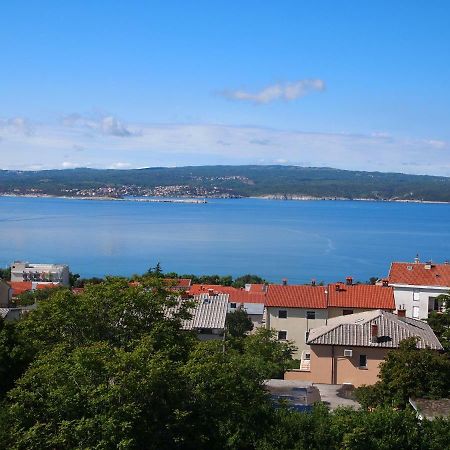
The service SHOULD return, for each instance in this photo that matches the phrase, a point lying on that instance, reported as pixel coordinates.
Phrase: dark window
(310, 314)
(282, 335)
(282, 314)
(362, 360)
(232, 305)
(347, 312)
(306, 336)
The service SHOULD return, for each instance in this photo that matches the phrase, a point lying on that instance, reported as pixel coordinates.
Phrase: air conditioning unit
(348, 353)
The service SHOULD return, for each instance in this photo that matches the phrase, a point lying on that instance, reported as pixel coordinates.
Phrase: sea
(275, 239)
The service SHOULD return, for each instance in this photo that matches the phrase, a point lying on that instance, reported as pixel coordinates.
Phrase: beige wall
(4, 294)
(339, 369)
(296, 324)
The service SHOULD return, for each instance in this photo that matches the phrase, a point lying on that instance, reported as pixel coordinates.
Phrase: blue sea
(297, 240)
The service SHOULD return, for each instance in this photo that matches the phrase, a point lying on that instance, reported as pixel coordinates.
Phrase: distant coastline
(204, 200)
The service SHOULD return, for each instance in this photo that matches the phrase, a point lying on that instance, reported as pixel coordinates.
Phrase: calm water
(326, 240)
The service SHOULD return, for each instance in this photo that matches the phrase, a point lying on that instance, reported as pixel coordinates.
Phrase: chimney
(446, 262)
(337, 287)
(428, 265)
(374, 333)
(385, 282)
(401, 313)
(416, 259)
(284, 281)
(210, 292)
(349, 281)
(313, 282)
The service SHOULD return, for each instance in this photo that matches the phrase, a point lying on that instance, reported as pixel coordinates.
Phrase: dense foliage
(408, 373)
(239, 180)
(110, 368)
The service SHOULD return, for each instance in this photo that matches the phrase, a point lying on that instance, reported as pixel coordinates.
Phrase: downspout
(333, 372)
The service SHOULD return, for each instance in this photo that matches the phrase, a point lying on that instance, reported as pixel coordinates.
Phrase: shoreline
(190, 200)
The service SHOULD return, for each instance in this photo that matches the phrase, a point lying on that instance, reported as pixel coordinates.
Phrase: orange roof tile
(197, 289)
(47, 285)
(361, 296)
(19, 287)
(296, 296)
(241, 296)
(417, 275)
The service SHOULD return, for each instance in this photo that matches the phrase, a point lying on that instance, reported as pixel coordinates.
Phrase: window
(415, 312)
(310, 314)
(282, 314)
(362, 360)
(306, 336)
(347, 312)
(282, 335)
(233, 305)
(416, 296)
(435, 305)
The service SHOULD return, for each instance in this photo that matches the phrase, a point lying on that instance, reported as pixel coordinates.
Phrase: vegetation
(408, 372)
(109, 368)
(238, 180)
(440, 322)
(5, 274)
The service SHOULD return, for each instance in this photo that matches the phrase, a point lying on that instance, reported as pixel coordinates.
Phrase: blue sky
(357, 85)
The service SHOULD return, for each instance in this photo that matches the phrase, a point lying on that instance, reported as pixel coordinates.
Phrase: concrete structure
(431, 409)
(40, 273)
(349, 349)
(5, 294)
(293, 310)
(11, 313)
(417, 286)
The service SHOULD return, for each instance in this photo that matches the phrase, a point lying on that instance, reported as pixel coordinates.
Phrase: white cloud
(280, 91)
(59, 145)
(19, 125)
(104, 124)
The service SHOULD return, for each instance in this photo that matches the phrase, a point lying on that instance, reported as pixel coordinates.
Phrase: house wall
(336, 312)
(330, 366)
(5, 294)
(296, 324)
(404, 299)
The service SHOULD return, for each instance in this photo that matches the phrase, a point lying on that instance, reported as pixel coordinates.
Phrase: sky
(124, 84)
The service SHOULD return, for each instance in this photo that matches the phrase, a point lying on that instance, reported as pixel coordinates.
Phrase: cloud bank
(107, 142)
(280, 91)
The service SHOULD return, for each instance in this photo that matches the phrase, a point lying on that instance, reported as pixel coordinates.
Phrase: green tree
(440, 321)
(238, 323)
(408, 372)
(5, 274)
(241, 281)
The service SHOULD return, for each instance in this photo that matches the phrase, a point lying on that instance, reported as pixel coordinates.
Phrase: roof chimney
(337, 287)
(401, 312)
(284, 281)
(210, 292)
(374, 333)
(385, 282)
(313, 282)
(416, 259)
(349, 281)
(428, 265)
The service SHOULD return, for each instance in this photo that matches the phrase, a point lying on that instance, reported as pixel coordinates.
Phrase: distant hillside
(229, 181)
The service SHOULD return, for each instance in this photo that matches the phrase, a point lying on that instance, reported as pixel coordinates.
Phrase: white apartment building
(40, 273)
(417, 287)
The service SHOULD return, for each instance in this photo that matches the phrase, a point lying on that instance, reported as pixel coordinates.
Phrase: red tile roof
(296, 296)
(257, 288)
(19, 287)
(197, 289)
(47, 285)
(417, 275)
(361, 296)
(240, 296)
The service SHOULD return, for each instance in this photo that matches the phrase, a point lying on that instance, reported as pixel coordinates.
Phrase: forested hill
(228, 181)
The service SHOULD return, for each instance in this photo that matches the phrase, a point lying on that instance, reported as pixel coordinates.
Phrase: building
(293, 310)
(417, 287)
(349, 349)
(40, 273)
(11, 313)
(208, 316)
(252, 303)
(431, 409)
(5, 294)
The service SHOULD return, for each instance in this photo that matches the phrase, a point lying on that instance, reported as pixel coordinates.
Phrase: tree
(241, 281)
(5, 274)
(73, 277)
(408, 372)
(238, 323)
(156, 271)
(440, 321)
